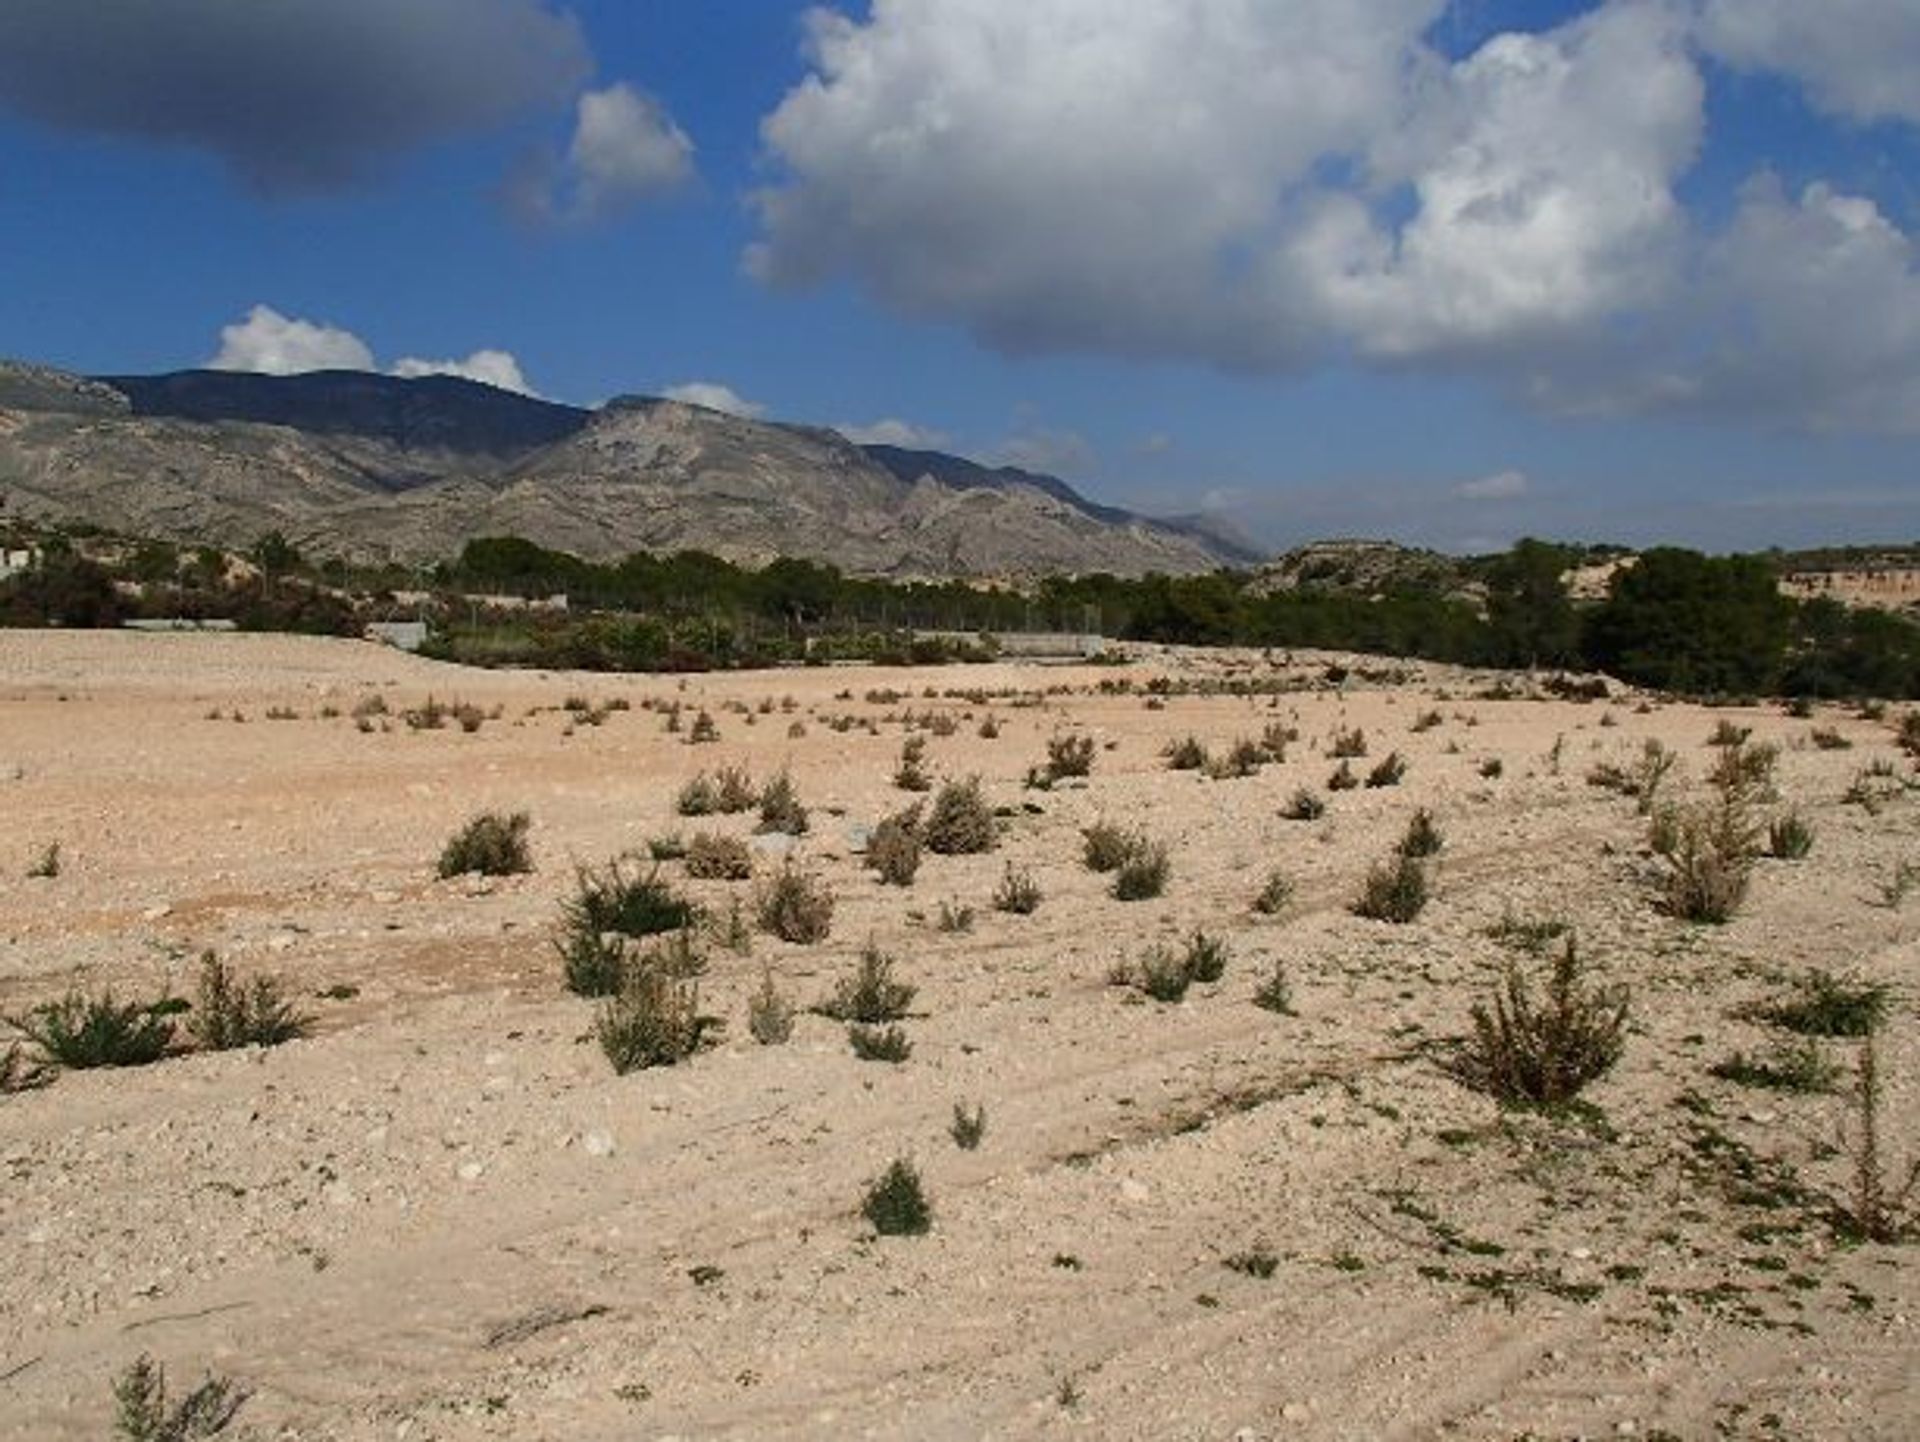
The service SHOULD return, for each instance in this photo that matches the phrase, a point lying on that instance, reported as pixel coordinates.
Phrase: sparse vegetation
(1144, 873)
(1789, 837)
(1389, 771)
(879, 1043)
(1877, 1209)
(961, 823)
(1275, 992)
(1186, 754)
(1541, 1052)
(1304, 806)
(609, 909)
(911, 773)
(769, 1014)
(795, 906)
(1821, 1004)
(46, 865)
(143, 1412)
(229, 1013)
(1069, 755)
(1348, 743)
(493, 843)
(896, 1204)
(79, 1031)
(1275, 894)
(968, 1127)
(653, 1020)
(1395, 890)
(894, 848)
(1017, 892)
(1105, 847)
(780, 808)
(710, 857)
(1423, 836)
(1797, 1067)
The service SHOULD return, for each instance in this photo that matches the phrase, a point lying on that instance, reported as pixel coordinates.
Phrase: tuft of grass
(1899, 883)
(1343, 778)
(143, 1412)
(968, 1127)
(1709, 859)
(1275, 895)
(1069, 755)
(80, 1032)
(1800, 1067)
(228, 1013)
(1541, 1052)
(609, 909)
(1304, 806)
(1017, 892)
(1205, 957)
(896, 1203)
(780, 808)
(1493, 768)
(653, 1020)
(795, 906)
(961, 823)
(1391, 768)
(1789, 837)
(1275, 992)
(955, 919)
(1257, 1262)
(492, 844)
(769, 1014)
(1822, 1004)
(1876, 1210)
(1105, 847)
(699, 797)
(911, 772)
(871, 995)
(894, 848)
(1187, 754)
(1423, 837)
(46, 866)
(879, 1043)
(1348, 743)
(1143, 875)
(719, 858)
(734, 791)
(1395, 890)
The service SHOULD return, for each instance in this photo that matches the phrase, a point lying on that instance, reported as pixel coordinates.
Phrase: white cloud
(269, 343)
(1500, 486)
(489, 367)
(277, 345)
(715, 397)
(1156, 444)
(625, 149)
(1046, 451)
(1857, 58)
(891, 431)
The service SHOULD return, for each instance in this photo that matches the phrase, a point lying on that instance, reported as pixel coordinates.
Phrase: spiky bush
(79, 1032)
(1541, 1051)
(1186, 754)
(1304, 806)
(492, 843)
(610, 909)
(1395, 890)
(769, 1014)
(1348, 743)
(228, 1013)
(1423, 836)
(719, 858)
(911, 773)
(879, 1043)
(1821, 1004)
(1069, 755)
(780, 808)
(894, 848)
(1391, 768)
(1709, 863)
(1017, 892)
(871, 995)
(653, 1020)
(1106, 846)
(699, 797)
(1205, 957)
(1275, 992)
(143, 1412)
(896, 1204)
(1789, 837)
(1876, 1209)
(968, 1127)
(1143, 875)
(795, 906)
(961, 822)
(1342, 778)
(1798, 1067)
(1161, 973)
(734, 791)
(1275, 895)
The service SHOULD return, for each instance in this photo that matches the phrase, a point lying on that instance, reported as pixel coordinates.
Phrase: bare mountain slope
(374, 468)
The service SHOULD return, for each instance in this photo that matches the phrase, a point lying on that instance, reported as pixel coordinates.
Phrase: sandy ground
(442, 1216)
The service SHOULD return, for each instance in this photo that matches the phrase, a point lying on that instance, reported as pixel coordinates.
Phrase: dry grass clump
(1348, 743)
(961, 823)
(710, 857)
(229, 1013)
(611, 908)
(1395, 890)
(653, 1020)
(1106, 846)
(871, 995)
(143, 1412)
(896, 1204)
(1876, 1210)
(780, 808)
(1017, 892)
(795, 906)
(879, 1043)
(1186, 754)
(1069, 755)
(492, 844)
(1528, 1051)
(80, 1032)
(1391, 769)
(1423, 836)
(769, 1013)
(1144, 873)
(1342, 778)
(1709, 853)
(1821, 1004)
(1275, 894)
(911, 773)
(1789, 837)
(1304, 805)
(894, 848)
(969, 1126)
(1166, 974)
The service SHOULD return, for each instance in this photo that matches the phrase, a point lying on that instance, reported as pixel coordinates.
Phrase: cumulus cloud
(892, 431)
(489, 367)
(269, 343)
(296, 95)
(1046, 451)
(1856, 58)
(273, 344)
(625, 148)
(1258, 186)
(1500, 486)
(715, 397)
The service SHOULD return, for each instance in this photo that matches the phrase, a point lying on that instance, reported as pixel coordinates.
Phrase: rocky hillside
(377, 468)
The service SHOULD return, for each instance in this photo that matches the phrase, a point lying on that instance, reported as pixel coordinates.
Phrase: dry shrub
(653, 1020)
(228, 1013)
(795, 906)
(1541, 1052)
(492, 844)
(894, 848)
(719, 858)
(961, 823)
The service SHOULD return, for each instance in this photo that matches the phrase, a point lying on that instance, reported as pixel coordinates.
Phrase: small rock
(470, 1171)
(1134, 1190)
(1294, 1412)
(156, 913)
(597, 1144)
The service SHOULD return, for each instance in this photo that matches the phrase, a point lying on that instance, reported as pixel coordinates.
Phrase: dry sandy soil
(442, 1216)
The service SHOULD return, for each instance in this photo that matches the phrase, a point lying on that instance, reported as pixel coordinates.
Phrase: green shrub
(142, 1412)
(961, 822)
(879, 1043)
(79, 1032)
(1205, 957)
(229, 1014)
(1162, 974)
(968, 1127)
(780, 808)
(609, 909)
(1275, 993)
(1822, 1004)
(1709, 863)
(896, 1203)
(699, 797)
(1394, 890)
(1069, 755)
(870, 995)
(795, 906)
(911, 774)
(1106, 847)
(1186, 754)
(653, 1020)
(719, 858)
(894, 848)
(1541, 1052)
(1800, 1067)
(1017, 892)
(769, 1014)
(1304, 806)
(1789, 838)
(1423, 838)
(1388, 772)
(492, 844)
(1143, 875)
(1276, 893)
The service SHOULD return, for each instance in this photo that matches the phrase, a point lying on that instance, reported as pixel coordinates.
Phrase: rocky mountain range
(377, 468)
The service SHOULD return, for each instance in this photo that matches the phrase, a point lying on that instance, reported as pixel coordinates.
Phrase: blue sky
(1450, 273)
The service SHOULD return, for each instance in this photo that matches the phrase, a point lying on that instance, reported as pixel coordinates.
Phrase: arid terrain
(442, 1215)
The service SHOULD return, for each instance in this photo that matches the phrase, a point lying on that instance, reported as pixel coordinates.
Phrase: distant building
(12, 563)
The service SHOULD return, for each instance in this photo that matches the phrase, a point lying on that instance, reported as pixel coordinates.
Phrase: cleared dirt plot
(1111, 1116)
